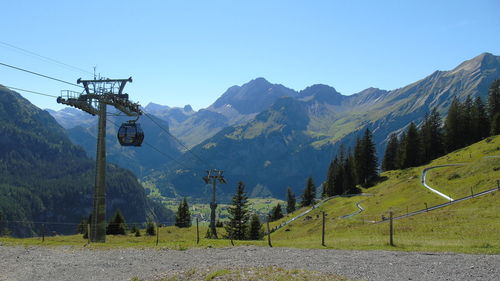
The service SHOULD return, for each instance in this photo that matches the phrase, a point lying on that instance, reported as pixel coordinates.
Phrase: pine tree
(255, 232)
(276, 213)
(236, 228)
(400, 156)
(480, 121)
(494, 99)
(452, 126)
(431, 137)
(183, 216)
(117, 224)
(338, 176)
(391, 152)
(309, 193)
(349, 181)
(290, 206)
(412, 147)
(365, 159)
(466, 121)
(328, 184)
(150, 228)
(495, 125)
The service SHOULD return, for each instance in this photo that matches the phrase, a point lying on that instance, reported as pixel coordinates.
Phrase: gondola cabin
(130, 134)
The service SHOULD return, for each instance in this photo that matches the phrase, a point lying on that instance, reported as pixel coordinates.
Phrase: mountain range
(271, 136)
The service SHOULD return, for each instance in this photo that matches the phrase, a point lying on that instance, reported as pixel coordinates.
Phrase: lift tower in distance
(97, 94)
(213, 176)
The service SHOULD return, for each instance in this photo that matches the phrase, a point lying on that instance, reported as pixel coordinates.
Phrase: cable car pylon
(213, 176)
(97, 95)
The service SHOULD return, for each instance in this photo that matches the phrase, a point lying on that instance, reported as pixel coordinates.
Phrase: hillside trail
(424, 176)
(320, 203)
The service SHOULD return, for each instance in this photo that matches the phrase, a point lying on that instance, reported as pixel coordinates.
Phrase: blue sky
(190, 52)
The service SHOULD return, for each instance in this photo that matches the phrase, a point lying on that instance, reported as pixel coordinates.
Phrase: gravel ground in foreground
(71, 263)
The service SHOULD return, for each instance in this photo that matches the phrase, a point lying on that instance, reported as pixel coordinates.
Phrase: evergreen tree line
(467, 122)
(349, 169)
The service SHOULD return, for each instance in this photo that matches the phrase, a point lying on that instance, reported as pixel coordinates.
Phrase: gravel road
(72, 263)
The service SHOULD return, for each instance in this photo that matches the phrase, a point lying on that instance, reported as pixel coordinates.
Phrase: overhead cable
(29, 91)
(39, 74)
(45, 58)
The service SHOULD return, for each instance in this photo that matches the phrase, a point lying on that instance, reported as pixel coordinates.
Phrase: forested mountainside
(46, 179)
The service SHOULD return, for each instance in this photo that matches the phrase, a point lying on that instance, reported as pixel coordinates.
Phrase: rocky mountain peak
(252, 97)
(483, 61)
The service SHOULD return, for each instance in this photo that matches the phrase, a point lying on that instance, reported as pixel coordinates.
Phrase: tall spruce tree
(480, 120)
(276, 213)
(401, 151)
(453, 128)
(391, 152)
(495, 125)
(255, 231)
(412, 147)
(349, 180)
(466, 121)
(431, 137)
(309, 193)
(366, 160)
(338, 176)
(494, 99)
(494, 107)
(291, 201)
(237, 226)
(183, 216)
(328, 184)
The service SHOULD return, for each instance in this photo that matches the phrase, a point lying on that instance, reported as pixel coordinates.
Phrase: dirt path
(67, 263)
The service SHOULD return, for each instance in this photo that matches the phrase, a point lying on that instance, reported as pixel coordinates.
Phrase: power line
(29, 91)
(39, 74)
(176, 139)
(116, 125)
(45, 58)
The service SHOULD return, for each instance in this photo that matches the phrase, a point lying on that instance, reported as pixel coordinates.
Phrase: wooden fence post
(197, 233)
(426, 208)
(323, 231)
(43, 232)
(157, 233)
(391, 241)
(471, 192)
(88, 232)
(269, 235)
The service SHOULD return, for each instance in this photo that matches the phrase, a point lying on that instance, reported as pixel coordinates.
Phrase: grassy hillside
(471, 226)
